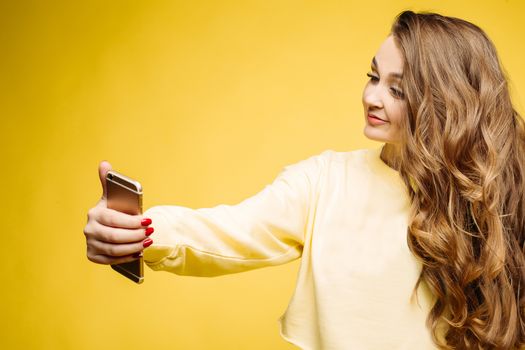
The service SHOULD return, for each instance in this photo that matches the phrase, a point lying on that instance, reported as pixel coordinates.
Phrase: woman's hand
(113, 237)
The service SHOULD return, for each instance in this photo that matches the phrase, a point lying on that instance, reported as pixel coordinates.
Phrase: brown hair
(462, 159)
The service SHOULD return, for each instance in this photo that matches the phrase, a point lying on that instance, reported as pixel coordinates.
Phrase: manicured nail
(147, 242)
(149, 231)
(145, 222)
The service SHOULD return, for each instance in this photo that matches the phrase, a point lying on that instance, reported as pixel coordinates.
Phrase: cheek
(398, 112)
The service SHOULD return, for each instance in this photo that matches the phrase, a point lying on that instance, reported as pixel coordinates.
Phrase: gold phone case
(125, 194)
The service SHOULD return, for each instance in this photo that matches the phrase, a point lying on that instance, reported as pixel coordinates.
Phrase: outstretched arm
(264, 230)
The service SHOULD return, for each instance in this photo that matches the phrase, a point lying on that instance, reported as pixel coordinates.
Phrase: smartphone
(125, 194)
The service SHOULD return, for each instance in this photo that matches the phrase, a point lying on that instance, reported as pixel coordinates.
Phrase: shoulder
(330, 160)
(354, 157)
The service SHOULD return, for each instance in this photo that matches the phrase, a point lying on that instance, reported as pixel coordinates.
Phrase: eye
(397, 93)
(372, 77)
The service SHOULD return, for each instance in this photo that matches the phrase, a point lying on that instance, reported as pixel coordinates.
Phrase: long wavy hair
(462, 159)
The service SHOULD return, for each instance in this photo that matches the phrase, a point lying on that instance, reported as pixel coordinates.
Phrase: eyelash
(395, 92)
(372, 77)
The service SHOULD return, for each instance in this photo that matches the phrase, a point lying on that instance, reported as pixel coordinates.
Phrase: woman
(428, 227)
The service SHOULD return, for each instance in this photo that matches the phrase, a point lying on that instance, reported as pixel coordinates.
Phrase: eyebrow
(394, 74)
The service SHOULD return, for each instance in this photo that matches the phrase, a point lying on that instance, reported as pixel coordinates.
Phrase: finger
(117, 250)
(114, 218)
(107, 260)
(119, 235)
(103, 169)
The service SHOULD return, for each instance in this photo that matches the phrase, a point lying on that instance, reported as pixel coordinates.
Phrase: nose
(372, 97)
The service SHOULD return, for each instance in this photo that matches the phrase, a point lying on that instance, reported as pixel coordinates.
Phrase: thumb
(103, 169)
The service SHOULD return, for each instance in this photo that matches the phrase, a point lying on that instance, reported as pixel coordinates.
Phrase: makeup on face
(374, 120)
(383, 98)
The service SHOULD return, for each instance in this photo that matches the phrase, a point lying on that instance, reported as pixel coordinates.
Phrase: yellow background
(204, 102)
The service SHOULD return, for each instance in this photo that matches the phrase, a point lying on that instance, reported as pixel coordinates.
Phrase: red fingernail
(147, 242)
(149, 231)
(145, 222)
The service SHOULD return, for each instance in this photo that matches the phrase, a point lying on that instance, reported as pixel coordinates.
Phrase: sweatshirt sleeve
(264, 230)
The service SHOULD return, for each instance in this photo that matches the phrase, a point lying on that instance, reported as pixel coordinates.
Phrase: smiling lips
(372, 119)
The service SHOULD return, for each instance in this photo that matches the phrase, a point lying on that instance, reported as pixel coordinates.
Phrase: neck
(390, 155)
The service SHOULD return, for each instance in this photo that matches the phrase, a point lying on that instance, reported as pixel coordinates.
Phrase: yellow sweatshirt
(345, 215)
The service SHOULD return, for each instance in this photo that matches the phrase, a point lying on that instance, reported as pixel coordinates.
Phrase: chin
(374, 134)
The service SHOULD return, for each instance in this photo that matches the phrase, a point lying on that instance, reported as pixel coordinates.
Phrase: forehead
(389, 58)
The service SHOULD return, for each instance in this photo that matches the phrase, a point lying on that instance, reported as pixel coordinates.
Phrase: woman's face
(383, 99)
